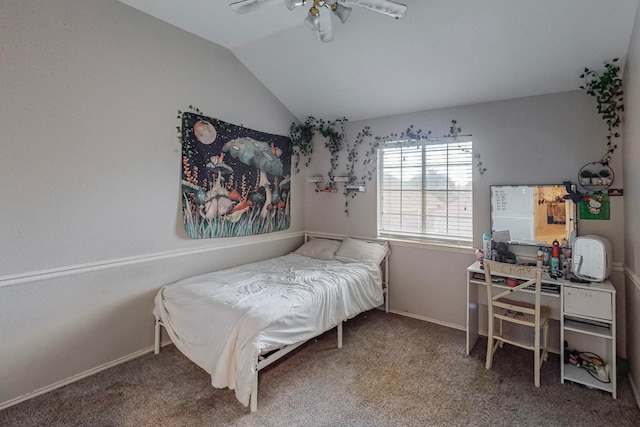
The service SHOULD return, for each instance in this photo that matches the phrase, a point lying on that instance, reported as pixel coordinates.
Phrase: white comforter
(223, 320)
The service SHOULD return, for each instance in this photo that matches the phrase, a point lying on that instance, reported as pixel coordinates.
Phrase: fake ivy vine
(607, 88)
(370, 155)
(302, 135)
(454, 132)
(180, 117)
(302, 140)
(408, 134)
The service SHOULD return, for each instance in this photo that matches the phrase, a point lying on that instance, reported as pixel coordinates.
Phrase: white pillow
(353, 250)
(319, 248)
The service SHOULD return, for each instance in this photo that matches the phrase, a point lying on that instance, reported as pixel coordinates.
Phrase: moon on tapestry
(205, 132)
(236, 181)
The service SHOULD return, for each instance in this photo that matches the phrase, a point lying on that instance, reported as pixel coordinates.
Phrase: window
(425, 190)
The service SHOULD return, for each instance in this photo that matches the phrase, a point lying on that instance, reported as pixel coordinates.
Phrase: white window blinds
(425, 190)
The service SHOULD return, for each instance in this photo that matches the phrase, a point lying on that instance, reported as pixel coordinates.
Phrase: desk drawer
(587, 302)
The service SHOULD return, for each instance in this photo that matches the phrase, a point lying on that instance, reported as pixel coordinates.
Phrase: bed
(235, 322)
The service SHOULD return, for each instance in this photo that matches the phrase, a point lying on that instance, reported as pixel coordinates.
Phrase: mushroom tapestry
(235, 180)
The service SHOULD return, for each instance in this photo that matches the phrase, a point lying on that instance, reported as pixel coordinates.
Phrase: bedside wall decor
(235, 180)
(595, 206)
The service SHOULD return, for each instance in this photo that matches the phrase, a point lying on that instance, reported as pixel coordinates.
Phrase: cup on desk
(511, 282)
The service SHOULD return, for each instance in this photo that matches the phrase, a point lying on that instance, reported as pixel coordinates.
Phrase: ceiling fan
(321, 22)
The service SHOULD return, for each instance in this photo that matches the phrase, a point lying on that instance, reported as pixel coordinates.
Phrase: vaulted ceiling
(442, 53)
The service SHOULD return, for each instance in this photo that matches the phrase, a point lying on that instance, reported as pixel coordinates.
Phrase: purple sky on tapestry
(235, 180)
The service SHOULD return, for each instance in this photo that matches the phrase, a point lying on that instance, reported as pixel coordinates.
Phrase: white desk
(586, 312)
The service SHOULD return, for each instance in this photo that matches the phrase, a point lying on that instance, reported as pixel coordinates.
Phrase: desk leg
(472, 315)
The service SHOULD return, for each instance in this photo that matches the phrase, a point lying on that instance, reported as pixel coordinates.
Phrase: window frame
(426, 236)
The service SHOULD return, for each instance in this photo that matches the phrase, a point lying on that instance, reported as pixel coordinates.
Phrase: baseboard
(635, 279)
(452, 326)
(428, 319)
(75, 378)
(634, 390)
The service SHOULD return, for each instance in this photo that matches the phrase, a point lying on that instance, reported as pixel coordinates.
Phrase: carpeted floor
(392, 371)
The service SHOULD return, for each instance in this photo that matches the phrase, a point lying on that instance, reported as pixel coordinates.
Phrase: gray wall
(89, 169)
(535, 140)
(631, 150)
(90, 223)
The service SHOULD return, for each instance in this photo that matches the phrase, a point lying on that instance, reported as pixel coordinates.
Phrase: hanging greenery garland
(302, 140)
(607, 88)
(302, 136)
(454, 132)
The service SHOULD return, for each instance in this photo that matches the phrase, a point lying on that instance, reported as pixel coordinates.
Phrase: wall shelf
(355, 187)
(316, 179)
(597, 177)
(329, 186)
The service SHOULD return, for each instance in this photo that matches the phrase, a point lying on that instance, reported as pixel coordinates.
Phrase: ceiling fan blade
(386, 7)
(325, 33)
(244, 6)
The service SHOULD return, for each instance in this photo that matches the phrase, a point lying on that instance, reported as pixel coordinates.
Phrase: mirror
(533, 214)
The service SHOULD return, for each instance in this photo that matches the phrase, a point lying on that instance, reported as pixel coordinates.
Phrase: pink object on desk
(512, 283)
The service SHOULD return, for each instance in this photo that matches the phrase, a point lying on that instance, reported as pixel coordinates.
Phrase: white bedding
(223, 320)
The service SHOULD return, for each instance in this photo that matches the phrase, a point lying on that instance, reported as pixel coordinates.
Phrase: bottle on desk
(545, 258)
(555, 257)
(486, 245)
(539, 259)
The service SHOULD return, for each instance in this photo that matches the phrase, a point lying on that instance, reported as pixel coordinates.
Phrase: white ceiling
(442, 53)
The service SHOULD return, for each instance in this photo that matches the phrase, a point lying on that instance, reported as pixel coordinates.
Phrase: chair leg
(545, 352)
(490, 322)
(537, 362)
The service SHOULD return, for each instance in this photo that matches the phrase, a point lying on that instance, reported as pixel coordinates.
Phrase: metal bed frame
(265, 360)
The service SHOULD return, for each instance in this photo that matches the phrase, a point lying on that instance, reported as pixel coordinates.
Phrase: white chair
(521, 313)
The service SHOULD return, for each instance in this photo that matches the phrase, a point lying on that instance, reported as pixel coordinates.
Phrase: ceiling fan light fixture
(312, 20)
(321, 22)
(325, 33)
(341, 11)
(325, 36)
(291, 4)
(244, 6)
